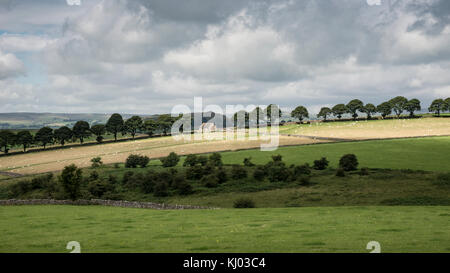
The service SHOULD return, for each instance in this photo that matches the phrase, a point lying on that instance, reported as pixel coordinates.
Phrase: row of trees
(82, 130)
(398, 105)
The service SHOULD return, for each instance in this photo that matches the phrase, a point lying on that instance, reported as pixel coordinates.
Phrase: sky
(145, 57)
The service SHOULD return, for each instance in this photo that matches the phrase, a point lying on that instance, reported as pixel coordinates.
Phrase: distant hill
(25, 120)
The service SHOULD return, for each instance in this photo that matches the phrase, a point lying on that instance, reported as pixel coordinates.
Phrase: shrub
(303, 180)
(93, 176)
(148, 183)
(442, 179)
(238, 172)
(277, 171)
(135, 181)
(136, 160)
(112, 179)
(194, 173)
(161, 189)
(248, 162)
(99, 187)
(184, 188)
(276, 158)
(96, 162)
(243, 203)
(348, 162)
(143, 161)
(208, 169)
(126, 177)
(221, 175)
(70, 180)
(321, 164)
(209, 181)
(116, 165)
(171, 160)
(203, 160)
(191, 160)
(132, 161)
(215, 159)
(259, 174)
(304, 169)
(340, 172)
(20, 188)
(41, 182)
(364, 171)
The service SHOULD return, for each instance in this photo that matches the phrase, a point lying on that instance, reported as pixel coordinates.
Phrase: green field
(429, 154)
(108, 229)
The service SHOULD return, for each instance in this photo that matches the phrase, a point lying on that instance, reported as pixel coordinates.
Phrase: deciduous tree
(398, 105)
(63, 134)
(354, 106)
(44, 136)
(81, 130)
(412, 105)
(98, 130)
(25, 139)
(369, 109)
(7, 139)
(300, 112)
(132, 125)
(438, 106)
(114, 125)
(384, 109)
(324, 112)
(338, 110)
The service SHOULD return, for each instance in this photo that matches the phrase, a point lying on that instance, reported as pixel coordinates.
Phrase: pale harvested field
(55, 160)
(374, 129)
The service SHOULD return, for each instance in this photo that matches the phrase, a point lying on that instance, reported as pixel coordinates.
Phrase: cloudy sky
(144, 57)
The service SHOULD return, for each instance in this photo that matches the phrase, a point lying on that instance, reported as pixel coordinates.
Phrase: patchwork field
(326, 229)
(158, 147)
(373, 129)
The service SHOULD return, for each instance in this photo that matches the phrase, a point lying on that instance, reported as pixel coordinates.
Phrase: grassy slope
(108, 229)
(418, 153)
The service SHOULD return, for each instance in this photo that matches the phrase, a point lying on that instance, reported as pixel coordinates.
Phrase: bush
(304, 169)
(70, 180)
(148, 184)
(99, 187)
(238, 172)
(243, 203)
(321, 164)
(364, 171)
(126, 177)
(303, 180)
(277, 171)
(161, 189)
(116, 165)
(93, 176)
(96, 162)
(442, 179)
(143, 161)
(348, 162)
(210, 181)
(41, 182)
(221, 175)
(194, 173)
(248, 162)
(215, 159)
(136, 160)
(340, 172)
(191, 160)
(171, 160)
(203, 160)
(135, 181)
(20, 188)
(132, 161)
(277, 158)
(184, 188)
(259, 174)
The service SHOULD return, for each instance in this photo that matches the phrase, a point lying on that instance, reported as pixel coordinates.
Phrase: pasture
(323, 229)
(372, 129)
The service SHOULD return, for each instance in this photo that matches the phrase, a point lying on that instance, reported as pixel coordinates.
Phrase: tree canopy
(44, 136)
(81, 130)
(339, 109)
(300, 112)
(63, 134)
(114, 125)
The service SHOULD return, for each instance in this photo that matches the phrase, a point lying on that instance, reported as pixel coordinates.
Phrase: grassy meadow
(327, 229)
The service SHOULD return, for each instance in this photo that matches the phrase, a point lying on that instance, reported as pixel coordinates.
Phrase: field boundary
(99, 202)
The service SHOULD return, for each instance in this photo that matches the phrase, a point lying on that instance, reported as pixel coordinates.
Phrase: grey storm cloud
(147, 56)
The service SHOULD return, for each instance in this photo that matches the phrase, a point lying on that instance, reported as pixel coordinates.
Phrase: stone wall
(113, 203)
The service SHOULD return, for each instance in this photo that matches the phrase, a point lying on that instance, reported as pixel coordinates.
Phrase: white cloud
(21, 43)
(10, 66)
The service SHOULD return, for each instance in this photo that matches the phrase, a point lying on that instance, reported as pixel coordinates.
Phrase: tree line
(82, 130)
(117, 125)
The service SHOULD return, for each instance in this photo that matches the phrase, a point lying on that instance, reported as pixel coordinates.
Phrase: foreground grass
(418, 154)
(327, 229)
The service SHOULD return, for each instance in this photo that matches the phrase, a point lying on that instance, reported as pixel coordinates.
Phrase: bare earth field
(374, 129)
(55, 160)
